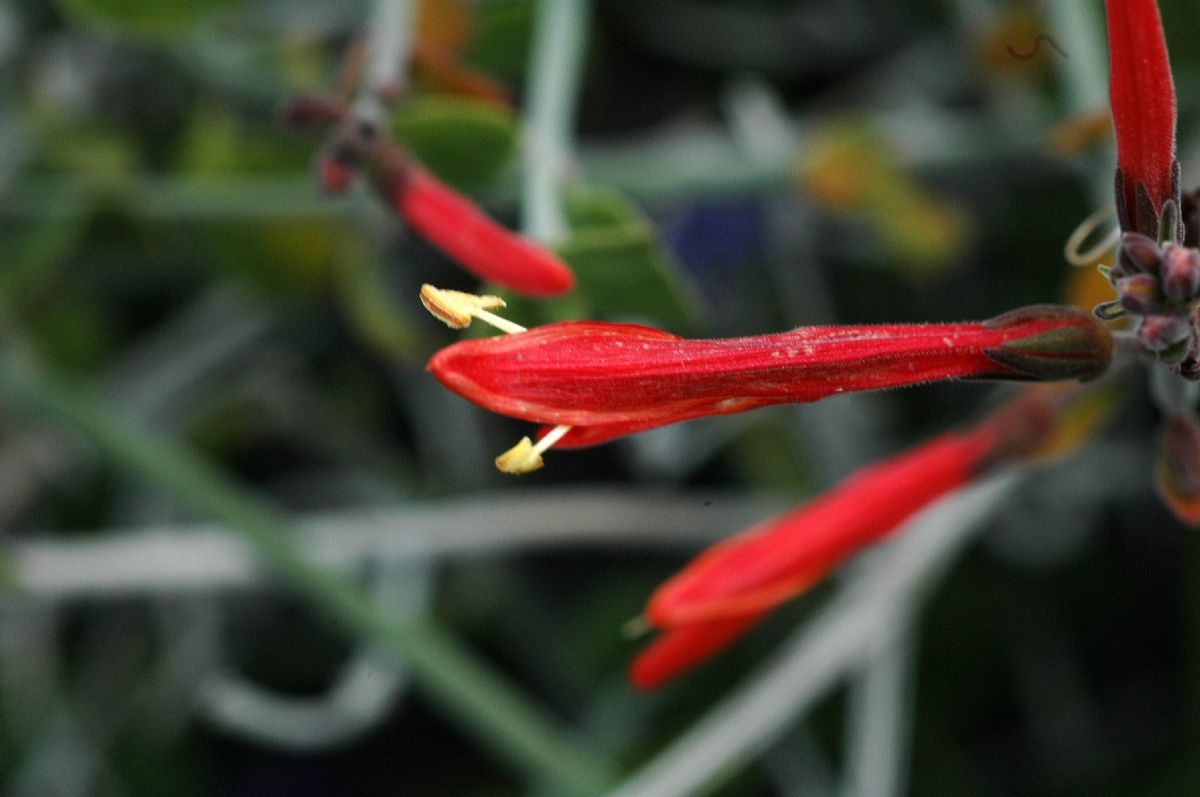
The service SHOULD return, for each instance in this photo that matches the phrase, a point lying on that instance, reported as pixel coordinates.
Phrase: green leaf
(462, 140)
(588, 209)
(500, 38)
(621, 267)
(621, 272)
(142, 19)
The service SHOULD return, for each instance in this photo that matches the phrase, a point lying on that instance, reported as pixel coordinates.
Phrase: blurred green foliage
(621, 268)
(156, 20)
(143, 172)
(463, 140)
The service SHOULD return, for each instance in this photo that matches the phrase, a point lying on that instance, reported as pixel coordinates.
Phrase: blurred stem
(1079, 27)
(1080, 30)
(881, 718)
(390, 40)
(702, 161)
(183, 559)
(555, 71)
(448, 673)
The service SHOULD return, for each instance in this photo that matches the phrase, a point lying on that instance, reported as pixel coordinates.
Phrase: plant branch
(388, 46)
(555, 71)
(881, 718)
(184, 559)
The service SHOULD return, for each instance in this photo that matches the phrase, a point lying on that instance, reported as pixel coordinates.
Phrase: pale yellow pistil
(457, 309)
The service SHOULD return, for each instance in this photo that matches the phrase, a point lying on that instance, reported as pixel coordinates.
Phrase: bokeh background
(211, 376)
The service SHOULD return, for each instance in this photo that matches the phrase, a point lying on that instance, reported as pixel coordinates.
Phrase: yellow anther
(526, 456)
(457, 309)
(521, 458)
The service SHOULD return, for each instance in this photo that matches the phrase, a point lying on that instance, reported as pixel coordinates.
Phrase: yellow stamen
(456, 308)
(525, 456)
(1085, 230)
(519, 459)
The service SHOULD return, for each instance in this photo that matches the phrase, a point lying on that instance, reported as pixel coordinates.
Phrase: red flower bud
(768, 564)
(612, 379)
(471, 238)
(1142, 94)
(1140, 294)
(1159, 333)
(1138, 255)
(1180, 272)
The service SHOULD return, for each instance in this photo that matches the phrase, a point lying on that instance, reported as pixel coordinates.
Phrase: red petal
(470, 237)
(681, 649)
(1143, 100)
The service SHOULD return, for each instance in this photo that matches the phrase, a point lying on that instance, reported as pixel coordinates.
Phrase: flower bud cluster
(1160, 284)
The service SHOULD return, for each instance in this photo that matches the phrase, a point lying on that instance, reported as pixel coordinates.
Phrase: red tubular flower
(606, 380)
(471, 238)
(768, 564)
(1142, 94)
(729, 587)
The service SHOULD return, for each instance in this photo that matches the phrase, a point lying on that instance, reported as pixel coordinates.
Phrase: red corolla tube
(1142, 94)
(605, 380)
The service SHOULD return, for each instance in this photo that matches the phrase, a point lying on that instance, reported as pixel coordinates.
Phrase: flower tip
(467, 235)
(521, 458)
(1142, 94)
(646, 676)
(456, 308)
(560, 279)
(685, 647)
